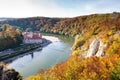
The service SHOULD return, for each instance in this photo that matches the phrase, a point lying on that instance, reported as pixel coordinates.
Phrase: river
(54, 53)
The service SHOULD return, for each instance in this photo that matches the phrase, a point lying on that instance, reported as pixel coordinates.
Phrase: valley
(93, 55)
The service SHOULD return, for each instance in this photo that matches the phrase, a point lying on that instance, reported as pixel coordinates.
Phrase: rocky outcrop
(93, 48)
(8, 74)
(96, 48)
(101, 49)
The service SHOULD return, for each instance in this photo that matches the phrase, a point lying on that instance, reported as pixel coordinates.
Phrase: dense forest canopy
(67, 26)
(9, 37)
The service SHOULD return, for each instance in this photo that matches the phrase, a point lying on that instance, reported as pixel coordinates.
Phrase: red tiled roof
(27, 35)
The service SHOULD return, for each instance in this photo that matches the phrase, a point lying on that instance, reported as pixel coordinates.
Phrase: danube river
(54, 53)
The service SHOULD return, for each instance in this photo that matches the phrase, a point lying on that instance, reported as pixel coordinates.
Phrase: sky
(56, 8)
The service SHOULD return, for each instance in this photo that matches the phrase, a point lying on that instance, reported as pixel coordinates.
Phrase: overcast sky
(56, 8)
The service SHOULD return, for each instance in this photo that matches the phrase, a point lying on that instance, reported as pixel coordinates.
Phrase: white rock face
(94, 46)
(100, 51)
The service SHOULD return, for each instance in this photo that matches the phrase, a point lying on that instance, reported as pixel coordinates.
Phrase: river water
(54, 53)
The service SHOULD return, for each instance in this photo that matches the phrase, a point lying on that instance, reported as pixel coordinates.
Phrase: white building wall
(33, 41)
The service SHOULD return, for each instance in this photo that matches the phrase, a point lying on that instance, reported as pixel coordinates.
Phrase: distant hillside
(36, 23)
(3, 19)
(67, 26)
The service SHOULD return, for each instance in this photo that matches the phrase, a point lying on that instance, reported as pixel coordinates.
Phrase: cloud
(50, 8)
(56, 8)
(16, 8)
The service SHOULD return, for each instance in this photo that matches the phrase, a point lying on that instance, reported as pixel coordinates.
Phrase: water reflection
(32, 55)
(10, 60)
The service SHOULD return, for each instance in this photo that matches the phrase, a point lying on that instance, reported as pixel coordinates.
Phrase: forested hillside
(67, 26)
(9, 37)
(35, 23)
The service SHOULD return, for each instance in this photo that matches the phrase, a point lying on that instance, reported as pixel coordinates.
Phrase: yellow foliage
(37, 77)
(114, 47)
(76, 52)
(110, 32)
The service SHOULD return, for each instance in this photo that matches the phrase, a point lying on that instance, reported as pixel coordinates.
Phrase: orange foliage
(75, 68)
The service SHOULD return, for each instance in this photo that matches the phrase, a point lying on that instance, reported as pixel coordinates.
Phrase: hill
(66, 26)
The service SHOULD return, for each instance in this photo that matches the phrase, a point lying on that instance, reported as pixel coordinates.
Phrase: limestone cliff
(96, 48)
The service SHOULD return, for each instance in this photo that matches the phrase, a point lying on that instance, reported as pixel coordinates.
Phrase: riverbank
(10, 54)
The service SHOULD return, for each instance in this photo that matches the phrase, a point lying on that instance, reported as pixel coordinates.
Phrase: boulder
(8, 74)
